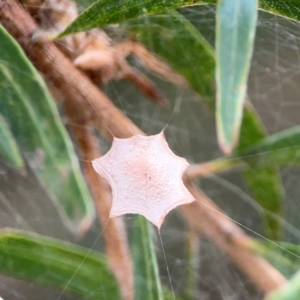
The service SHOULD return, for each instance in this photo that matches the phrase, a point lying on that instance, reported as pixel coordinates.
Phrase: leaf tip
(226, 149)
(228, 137)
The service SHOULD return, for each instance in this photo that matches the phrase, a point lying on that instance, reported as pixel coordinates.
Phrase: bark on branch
(114, 231)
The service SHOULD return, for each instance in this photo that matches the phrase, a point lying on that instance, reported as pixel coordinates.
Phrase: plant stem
(80, 95)
(113, 230)
(215, 166)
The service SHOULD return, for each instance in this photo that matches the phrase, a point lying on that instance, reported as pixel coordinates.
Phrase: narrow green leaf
(8, 147)
(51, 262)
(252, 130)
(35, 123)
(263, 159)
(283, 256)
(267, 190)
(168, 295)
(264, 183)
(282, 148)
(104, 12)
(290, 291)
(285, 8)
(180, 44)
(147, 284)
(190, 289)
(235, 31)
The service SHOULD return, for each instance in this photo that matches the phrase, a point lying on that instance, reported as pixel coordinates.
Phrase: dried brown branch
(82, 98)
(206, 217)
(114, 231)
(86, 101)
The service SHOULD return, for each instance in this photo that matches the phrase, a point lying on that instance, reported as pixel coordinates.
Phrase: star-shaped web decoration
(145, 177)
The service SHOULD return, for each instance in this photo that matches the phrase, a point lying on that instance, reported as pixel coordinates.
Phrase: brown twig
(79, 91)
(114, 231)
(206, 217)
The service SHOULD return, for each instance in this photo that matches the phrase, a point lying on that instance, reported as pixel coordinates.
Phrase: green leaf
(263, 157)
(147, 284)
(51, 262)
(290, 291)
(282, 148)
(8, 147)
(264, 182)
(267, 190)
(180, 44)
(190, 288)
(104, 12)
(34, 122)
(235, 31)
(283, 256)
(285, 8)
(252, 130)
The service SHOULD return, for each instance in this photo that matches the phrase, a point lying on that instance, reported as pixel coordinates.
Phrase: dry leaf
(145, 177)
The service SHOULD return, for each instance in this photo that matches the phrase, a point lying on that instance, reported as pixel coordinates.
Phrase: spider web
(273, 89)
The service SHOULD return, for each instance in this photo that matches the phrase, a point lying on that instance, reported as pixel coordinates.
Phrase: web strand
(83, 260)
(167, 266)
